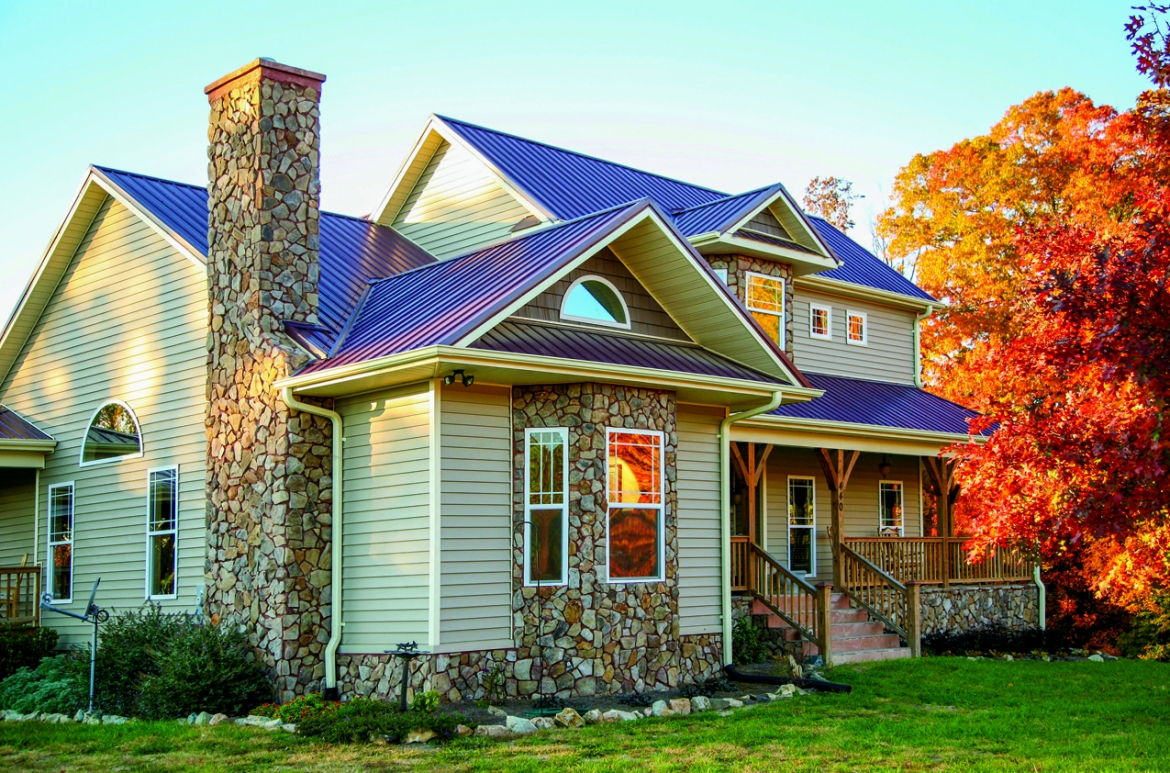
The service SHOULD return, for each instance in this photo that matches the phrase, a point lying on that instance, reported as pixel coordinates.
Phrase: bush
(1149, 637)
(24, 647)
(298, 709)
(58, 685)
(128, 655)
(748, 641)
(994, 638)
(368, 719)
(425, 701)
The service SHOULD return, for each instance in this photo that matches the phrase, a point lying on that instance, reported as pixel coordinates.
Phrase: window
(802, 524)
(546, 506)
(162, 533)
(60, 543)
(634, 484)
(765, 300)
(593, 299)
(112, 434)
(820, 321)
(721, 273)
(890, 504)
(858, 328)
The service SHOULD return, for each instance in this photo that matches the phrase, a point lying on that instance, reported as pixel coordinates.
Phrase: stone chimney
(269, 483)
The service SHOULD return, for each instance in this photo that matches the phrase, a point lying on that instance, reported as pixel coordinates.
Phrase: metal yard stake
(93, 614)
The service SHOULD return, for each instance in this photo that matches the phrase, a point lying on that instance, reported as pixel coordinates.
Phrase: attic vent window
(112, 434)
(595, 300)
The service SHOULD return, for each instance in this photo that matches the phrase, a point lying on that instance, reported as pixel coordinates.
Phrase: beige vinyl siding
(16, 516)
(476, 522)
(647, 317)
(127, 321)
(386, 576)
(457, 205)
(861, 500)
(889, 355)
(699, 563)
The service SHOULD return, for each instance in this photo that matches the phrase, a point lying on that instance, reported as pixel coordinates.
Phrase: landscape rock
(93, 720)
(544, 723)
(569, 717)
(289, 727)
(520, 725)
(593, 716)
(616, 715)
(733, 703)
(700, 703)
(786, 691)
(493, 731)
(1097, 658)
(463, 731)
(660, 709)
(217, 719)
(419, 736)
(113, 719)
(271, 724)
(496, 711)
(202, 718)
(762, 698)
(681, 706)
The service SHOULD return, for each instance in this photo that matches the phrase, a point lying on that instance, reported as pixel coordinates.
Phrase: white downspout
(1041, 596)
(725, 510)
(335, 595)
(36, 554)
(918, 320)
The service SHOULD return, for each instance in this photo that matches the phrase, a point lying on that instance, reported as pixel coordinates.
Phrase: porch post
(837, 475)
(914, 618)
(752, 471)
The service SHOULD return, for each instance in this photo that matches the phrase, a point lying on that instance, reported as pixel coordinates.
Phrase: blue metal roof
(855, 401)
(353, 251)
(721, 213)
(613, 348)
(15, 427)
(860, 266)
(572, 185)
(440, 303)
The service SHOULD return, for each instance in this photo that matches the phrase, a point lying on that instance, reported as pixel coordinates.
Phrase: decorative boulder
(569, 718)
(660, 709)
(593, 716)
(218, 719)
(700, 703)
(680, 706)
(419, 736)
(520, 725)
(615, 715)
(462, 731)
(493, 731)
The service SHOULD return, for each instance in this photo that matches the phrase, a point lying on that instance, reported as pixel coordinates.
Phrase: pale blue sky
(732, 95)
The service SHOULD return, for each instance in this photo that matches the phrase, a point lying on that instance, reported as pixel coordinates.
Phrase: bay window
(635, 500)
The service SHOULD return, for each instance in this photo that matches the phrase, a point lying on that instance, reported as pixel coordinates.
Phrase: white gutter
(336, 533)
(725, 510)
(1042, 596)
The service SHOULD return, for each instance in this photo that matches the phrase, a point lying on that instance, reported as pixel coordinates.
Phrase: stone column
(269, 483)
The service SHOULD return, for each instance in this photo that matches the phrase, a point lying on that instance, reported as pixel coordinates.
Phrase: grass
(936, 714)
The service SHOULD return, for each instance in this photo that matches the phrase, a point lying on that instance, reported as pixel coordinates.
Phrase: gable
(647, 317)
(766, 223)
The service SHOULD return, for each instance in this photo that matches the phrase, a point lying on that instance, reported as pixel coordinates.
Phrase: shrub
(58, 685)
(367, 719)
(128, 655)
(748, 641)
(24, 647)
(1149, 636)
(298, 709)
(425, 701)
(994, 638)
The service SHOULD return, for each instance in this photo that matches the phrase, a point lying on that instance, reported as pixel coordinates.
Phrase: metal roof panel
(861, 267)
(16, 427)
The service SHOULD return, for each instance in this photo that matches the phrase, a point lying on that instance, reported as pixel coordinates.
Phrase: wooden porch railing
(804, 607)
(938, 560)
(20, 595)
(896, 605)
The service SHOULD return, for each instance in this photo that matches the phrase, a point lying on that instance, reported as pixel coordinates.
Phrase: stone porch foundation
(969, 607)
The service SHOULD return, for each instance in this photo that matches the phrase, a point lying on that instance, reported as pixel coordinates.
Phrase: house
(543, 414)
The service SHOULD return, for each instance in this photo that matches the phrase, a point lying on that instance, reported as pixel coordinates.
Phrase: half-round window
(593, 299)
(113, 433)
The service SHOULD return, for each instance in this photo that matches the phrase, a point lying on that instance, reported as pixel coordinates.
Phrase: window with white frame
(765, 300)
(162, 533)
(820, 321)
(60, 543)
(635, 500)
(857, 327)
(890, 502)
(594, 299)
(546, 506)
(802, 524)
(113, 433)
(721, 273)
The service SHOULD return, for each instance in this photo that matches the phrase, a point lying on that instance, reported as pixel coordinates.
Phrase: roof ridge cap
(713, 202)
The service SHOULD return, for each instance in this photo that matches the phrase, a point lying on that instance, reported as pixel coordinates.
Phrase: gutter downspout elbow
(725, 510)
(336, 533)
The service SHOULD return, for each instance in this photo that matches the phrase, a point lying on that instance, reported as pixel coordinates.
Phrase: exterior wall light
(449, 379)
(884, 467)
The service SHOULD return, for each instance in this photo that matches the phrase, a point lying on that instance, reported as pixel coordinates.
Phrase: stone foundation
(969, 607)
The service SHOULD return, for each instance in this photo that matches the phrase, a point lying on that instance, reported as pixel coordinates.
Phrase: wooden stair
(856, 637)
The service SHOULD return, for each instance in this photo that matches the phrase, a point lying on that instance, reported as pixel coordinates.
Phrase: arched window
(593, 299)
(113, 433)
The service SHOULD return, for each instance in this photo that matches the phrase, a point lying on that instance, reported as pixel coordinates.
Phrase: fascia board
(37, 446)
(840, 428)
(864, 293)
(125, 199)
(779, 192)
(799, 260)
(379, 212)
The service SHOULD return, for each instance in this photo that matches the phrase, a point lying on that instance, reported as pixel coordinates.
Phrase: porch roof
(876, 403)
(16, 427)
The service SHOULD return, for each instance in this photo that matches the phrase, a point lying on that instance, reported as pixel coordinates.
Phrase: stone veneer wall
(737, 267)
(969, 607)
(269, 482)
(589, 636)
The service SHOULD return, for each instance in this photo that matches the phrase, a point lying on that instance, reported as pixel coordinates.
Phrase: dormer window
(765, 300)
(596, 301)
(112, 434)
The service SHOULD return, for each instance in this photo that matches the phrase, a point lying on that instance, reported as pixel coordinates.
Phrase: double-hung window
(60, 543)
(820, 321)
(857, 326)
(546, 506)
(765, 300)
(162, 533)
(802, 524)
(890, 504)
(635, 499)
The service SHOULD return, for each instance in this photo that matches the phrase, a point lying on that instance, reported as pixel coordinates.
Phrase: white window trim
(150, 534)
(529, 507)
(722, 274)
(85, 434)
(50, 543)
(902, 489)
(864, 328)
(812, 529)
(783, 302)
(813, 308)
(589, 320)
(660, 507)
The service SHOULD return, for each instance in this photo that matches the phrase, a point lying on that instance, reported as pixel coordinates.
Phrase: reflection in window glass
(546, 504)
(60, 542)
(593, 300)
(635, 499)
(162, 532)
(802, 514)
(765, 300)
(856, 325)
(820, 321)
(112, 434)
(891, 505)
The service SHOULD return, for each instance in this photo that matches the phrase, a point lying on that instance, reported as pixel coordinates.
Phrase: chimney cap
(268, 68)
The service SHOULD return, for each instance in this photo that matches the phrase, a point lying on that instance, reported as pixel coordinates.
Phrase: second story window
(595, 300)
(112, 434)
(765, 300)
(858, 328)
(820, 321)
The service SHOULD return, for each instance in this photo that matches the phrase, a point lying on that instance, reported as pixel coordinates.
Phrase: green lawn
(939, 714)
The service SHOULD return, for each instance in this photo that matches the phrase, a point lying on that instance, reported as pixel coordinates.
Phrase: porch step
(857, 638)
(866, 656)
